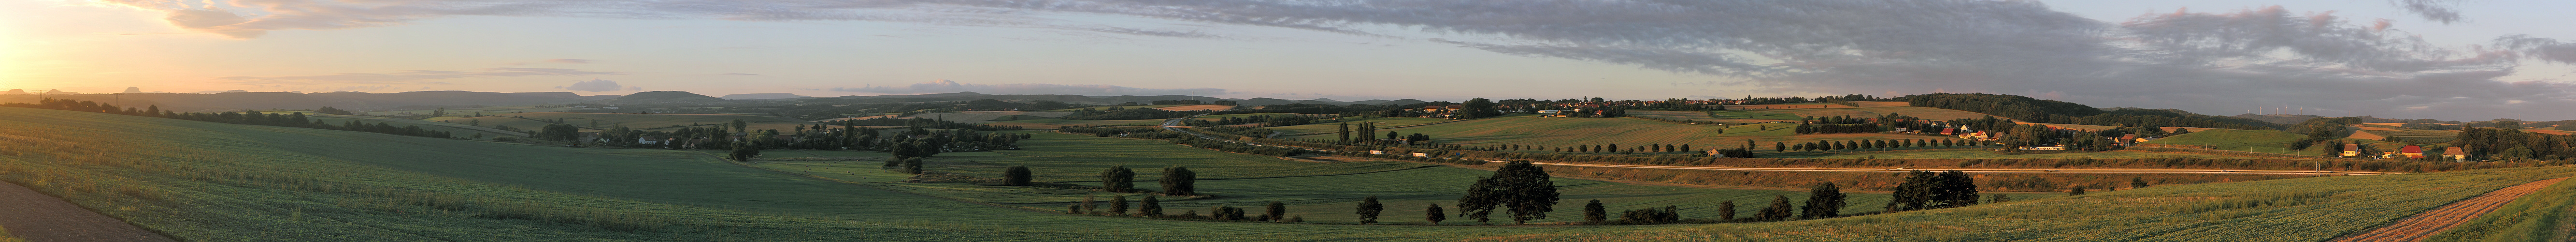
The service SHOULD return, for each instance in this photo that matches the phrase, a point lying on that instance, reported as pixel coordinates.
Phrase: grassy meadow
(1558, 132)
(461, 130)
(2264, 141)
(210, 181)
(638, 121)
(1329, 125)
(1316, 191)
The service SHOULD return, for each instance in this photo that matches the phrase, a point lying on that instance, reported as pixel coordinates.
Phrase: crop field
(637, 121)
(1247, 115)
(2078, 126)
(1199, 108)
(1985, 154)
(2415, 133)
(1318, 192)
(1554, 132)
(1330, 126)
(2265, 141)
(1119, 107)
(461, 130)
(461, 112)
(1703, 116)
(1794, 114)
(209, 181)
(978, 117)
(2543, 131)
(1784, 106)
(1060, 123)
(1874, 104)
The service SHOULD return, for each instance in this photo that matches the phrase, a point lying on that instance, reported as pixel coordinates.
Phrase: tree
(1823, 201)
(1118, 205)
(1015, 176)
(912, 166)
(1726, 211)
(1230, 213)
(1593, 213)
(1956, 189)
(1478, 108)
(1150, 207)
(1368, 209)
(1779, 146)
(1179, 181)
(1519, 186)
(744, 153)
(1433, 214)
(2079, 191)
(1090, 204)
(1277, 212)
(739, 125)
(1393, 135)
(1345, 132)
(1779, 209)
(1118, 179)
(2137, 182)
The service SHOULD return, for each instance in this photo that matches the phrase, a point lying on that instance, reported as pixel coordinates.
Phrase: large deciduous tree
(1524, 189)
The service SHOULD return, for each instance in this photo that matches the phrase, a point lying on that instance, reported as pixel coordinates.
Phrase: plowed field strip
(2420, 226)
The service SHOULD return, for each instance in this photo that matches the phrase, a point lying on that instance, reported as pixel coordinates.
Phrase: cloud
(2431, 10)
(740, 74)
(946, 86)
(594, 85)
(574, 61)
(408, 77)
(2227, 60)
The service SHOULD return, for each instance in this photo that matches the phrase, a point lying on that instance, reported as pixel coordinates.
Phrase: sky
(2445, 59)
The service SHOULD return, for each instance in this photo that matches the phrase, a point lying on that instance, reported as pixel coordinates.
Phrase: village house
(2455, 154)
(2411, 151)
(649, 140)
(2351, 150)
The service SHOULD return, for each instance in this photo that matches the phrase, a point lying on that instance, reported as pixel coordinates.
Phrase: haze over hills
(285, 100)
(432, 99)
(763, 96)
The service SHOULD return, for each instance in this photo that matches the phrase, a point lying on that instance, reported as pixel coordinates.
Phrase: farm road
(36, 217)
(2425, 225)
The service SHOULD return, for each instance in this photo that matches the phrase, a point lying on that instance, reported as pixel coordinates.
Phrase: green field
(1250, 180)
(461, 130)
(1119, 107)
(1330, 126)
(210, 181)
(1795, 114)
(1554, 132)
(1059, 123)
(1984, 154)
(461, 112)
(977, 117)
(529, 121)
(2265, 141)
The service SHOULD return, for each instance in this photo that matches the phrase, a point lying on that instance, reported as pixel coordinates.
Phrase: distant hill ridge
(188, 102)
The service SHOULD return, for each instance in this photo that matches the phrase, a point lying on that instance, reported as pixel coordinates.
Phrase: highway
(1174, 125)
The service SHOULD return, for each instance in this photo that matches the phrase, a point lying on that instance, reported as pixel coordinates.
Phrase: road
(1174, 125)
(36, 217)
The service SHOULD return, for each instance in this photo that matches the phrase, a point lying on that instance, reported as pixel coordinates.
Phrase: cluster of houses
(2455, 154)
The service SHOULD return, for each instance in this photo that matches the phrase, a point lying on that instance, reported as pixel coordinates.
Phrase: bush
(1015, 176)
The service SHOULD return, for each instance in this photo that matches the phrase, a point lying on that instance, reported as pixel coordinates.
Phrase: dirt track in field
(39, 218)
(2424, 225)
